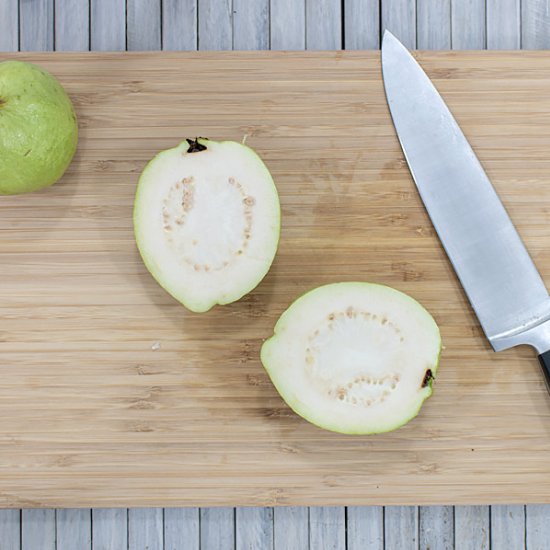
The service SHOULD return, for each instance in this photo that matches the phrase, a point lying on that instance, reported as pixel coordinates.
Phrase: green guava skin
(38, 128)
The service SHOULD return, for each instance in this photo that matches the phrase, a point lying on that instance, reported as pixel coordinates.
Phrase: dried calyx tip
(428, 377)
(195, 146)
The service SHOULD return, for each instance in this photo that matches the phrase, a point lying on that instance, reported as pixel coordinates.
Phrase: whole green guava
(38, 128)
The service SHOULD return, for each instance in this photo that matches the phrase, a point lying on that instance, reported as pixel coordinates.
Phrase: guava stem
(195, 146)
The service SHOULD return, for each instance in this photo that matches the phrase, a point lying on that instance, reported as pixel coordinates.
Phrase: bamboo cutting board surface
(112, 394)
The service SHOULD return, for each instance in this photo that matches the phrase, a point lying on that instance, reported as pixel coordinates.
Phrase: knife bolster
(544, 359)
(536, 335)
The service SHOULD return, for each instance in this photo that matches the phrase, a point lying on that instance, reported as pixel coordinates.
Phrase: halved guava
(354, 358)
(207, 221)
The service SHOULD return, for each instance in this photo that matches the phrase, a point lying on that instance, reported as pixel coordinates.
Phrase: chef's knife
(492, 263)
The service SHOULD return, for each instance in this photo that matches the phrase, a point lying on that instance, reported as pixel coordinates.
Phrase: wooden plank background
(30, 25)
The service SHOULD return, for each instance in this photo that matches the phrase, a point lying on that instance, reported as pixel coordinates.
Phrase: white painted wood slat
(74, 529)
(537, 527)
(145, 529)
(327, 527)
(215, 25)
(365, 528)
(362, 24)
(436, 527)
(288, 24)
(181, 529)
(9, 26)
(143, 25)
(323, 25)
(399, 17)
(250, 25)
(535, 24)
(401, 527)
(254, 528)
(110, 529)
(179, 24)
(468, 25)
(108, 25)
(508, 527)
(217, 528)
(503, 24)
(433, 24)
(472, 527)
(10, 529)
(38, 529)
(72, 25)
(36, 25)
(291, 528)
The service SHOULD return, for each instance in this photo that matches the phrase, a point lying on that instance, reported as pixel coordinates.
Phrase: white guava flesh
(355, 358)
(207, 221)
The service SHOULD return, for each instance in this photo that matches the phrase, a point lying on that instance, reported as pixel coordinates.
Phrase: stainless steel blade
(496, 271)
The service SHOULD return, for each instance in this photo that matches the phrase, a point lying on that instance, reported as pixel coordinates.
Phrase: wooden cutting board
(112, 394)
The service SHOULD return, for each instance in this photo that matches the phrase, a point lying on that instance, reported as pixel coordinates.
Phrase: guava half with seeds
(354, 358)
(207, 221)
(38, 128)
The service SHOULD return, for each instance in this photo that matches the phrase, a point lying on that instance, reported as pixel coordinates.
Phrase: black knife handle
(544, 359)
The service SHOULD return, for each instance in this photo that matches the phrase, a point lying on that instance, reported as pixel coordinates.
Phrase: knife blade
(499, 277)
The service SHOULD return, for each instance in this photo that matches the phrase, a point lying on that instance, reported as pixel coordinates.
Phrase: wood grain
(110, 529)
(323, 25)
(38, 530)
(362, 24)
(365, 528)
(181, 529)
(436, 527)
(145, 529)
(399, 17)
(73, 529)
(472, 527)
(36, 25)
(215, 22)
(108, 25)
(291, 528)
(535, 30)
(72, 25)
(508, 527)
(537, 527)
(254, 528)
(469, 24)
(327, 527)
(503, 24)
(401, 528)
(9, 16)
(143, 25)
(96, 416)
(217, 527)
(250, 25)
(179, 24)
(10, 529)
(433, 24)
(287, 24)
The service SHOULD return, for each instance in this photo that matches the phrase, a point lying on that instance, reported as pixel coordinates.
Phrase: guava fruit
(354, 358)
(207, 221)
(38, 128)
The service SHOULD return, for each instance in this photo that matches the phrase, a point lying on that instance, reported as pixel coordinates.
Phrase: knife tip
(388, 37)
